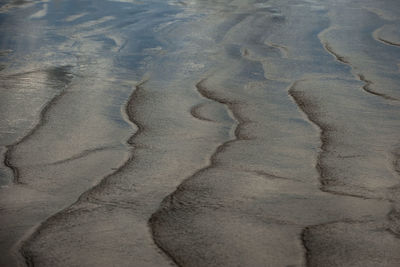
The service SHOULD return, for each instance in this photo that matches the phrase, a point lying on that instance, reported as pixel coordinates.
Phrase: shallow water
(199, 133)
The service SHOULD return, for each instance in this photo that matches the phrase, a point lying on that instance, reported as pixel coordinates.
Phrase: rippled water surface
(200, 133)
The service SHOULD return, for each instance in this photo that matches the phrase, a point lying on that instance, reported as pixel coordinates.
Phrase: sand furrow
(8, 161)
(165, 204)
(195, 113)
(23, 244)
(367, 83)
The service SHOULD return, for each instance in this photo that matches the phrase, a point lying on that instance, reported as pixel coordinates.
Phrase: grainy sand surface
(200, 133)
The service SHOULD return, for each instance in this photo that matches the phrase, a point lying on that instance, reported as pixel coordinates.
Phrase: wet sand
(200, 133)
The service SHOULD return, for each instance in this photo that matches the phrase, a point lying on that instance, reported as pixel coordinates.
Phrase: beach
(200, 133)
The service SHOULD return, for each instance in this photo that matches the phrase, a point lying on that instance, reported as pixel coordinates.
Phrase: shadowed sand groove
(333, 53)
(131, 141)
(195, 113)
(377, 36)
(307, 106)
(81, 155)
(314, 236)
(307, 251)
(61, 71)
(307, 235)
(361, 49)
(7, 163)
(29, 258)
(331, 236)
(202, 89)
(367, 85)
(388, 42)
(304, 105)
(361, 77)
(313, 108)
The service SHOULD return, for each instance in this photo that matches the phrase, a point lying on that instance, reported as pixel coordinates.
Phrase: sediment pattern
(63, 76)
(197, 133)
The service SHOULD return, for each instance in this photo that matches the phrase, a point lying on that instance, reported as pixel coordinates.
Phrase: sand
(200, 133)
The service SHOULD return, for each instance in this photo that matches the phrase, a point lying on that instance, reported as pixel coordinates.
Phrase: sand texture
(200, 133)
